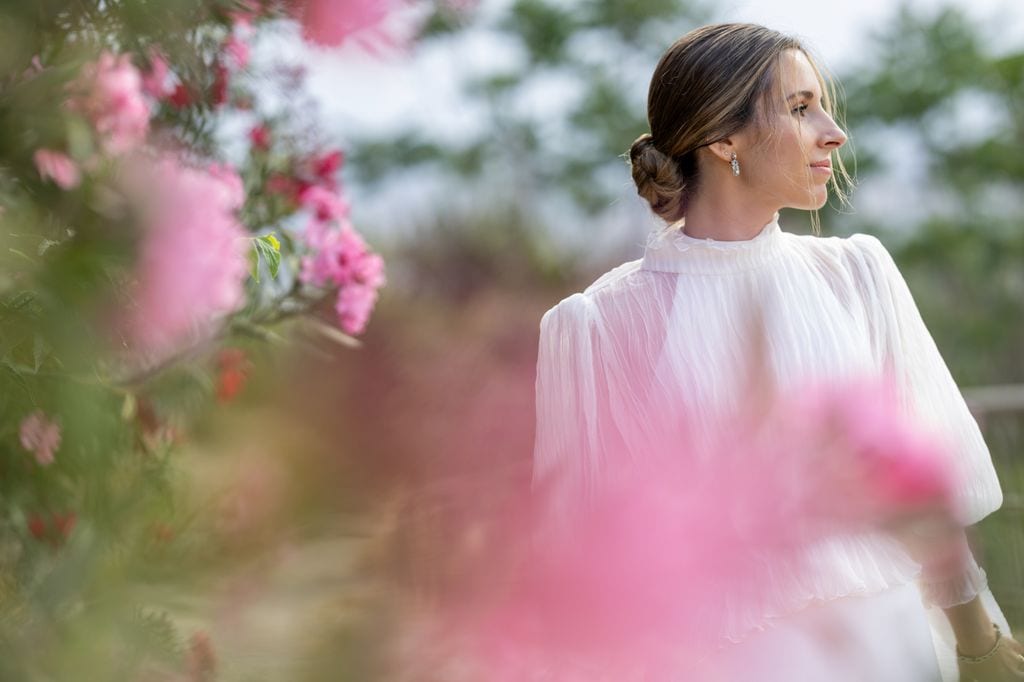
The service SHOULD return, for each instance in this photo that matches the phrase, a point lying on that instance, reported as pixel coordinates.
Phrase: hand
(1005, 665)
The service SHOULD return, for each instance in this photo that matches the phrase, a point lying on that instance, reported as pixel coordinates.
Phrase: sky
(372, 93)
(360, 94)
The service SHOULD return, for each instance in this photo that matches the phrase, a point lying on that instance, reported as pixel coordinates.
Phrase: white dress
(665, 330)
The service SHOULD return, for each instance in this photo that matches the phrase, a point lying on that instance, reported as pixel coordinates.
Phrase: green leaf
(267, 248)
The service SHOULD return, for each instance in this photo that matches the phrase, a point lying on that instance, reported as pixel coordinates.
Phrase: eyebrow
(803, 93)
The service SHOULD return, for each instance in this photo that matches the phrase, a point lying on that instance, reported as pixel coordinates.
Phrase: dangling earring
(735, 165)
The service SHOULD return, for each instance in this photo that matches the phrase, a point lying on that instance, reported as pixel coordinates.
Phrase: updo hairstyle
(706, 87)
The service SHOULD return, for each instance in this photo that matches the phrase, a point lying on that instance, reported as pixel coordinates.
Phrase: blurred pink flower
(637, 580)
(157, 82)
(109, 93)
(229, 184)
(326, 205)
(354, 305)
(192, 262)
(237, 52)
(40, 436)
(332, 22)
(57, 167)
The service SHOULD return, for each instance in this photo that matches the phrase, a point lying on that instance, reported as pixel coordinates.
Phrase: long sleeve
(930, 395)
(567, 443)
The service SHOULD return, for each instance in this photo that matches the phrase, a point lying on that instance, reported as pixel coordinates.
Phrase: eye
(801, 109)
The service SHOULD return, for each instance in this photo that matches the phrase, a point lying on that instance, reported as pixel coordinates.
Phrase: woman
(741, 126)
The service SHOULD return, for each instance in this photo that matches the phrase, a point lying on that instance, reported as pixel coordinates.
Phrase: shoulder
(582, 304)
(617, 275)
(869, 256)
(860, 253)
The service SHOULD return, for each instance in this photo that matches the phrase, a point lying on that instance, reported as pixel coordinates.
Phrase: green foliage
(599, 49)
(963, 263)
(544, 29)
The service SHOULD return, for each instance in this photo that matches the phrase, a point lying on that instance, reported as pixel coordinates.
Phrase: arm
(951, 579)
(972, 626)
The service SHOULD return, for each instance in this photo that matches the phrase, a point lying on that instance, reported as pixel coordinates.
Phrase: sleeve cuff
(945, 590)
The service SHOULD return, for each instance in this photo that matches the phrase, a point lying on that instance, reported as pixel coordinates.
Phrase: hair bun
(658, 179)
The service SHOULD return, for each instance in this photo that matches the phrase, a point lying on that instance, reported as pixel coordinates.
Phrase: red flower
(55, 530)
(260, 137)
(233, 373)
(326, 166)
(37, 526)
(219, 90)
(181, 97)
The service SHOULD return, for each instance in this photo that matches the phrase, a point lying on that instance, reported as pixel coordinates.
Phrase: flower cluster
(109, 94)
(339, 258)
(192, 263)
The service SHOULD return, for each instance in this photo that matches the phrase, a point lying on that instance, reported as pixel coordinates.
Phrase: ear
(723, 149)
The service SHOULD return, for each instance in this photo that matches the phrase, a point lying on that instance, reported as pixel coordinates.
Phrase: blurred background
(300, 459)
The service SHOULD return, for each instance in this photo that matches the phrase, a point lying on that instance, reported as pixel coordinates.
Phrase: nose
(833, 136)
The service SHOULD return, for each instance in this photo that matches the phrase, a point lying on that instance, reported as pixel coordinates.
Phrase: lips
(822, 164)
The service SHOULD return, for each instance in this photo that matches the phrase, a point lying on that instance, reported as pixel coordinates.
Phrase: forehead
(796, 74)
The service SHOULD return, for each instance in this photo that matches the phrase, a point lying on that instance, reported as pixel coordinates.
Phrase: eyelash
(802, 108)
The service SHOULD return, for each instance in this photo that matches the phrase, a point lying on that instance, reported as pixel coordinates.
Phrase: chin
(809, 204)
(818, 199)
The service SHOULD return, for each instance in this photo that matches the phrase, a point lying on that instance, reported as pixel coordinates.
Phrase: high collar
(676, 251)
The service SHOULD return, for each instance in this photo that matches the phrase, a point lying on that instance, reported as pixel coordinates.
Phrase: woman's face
(788, 164)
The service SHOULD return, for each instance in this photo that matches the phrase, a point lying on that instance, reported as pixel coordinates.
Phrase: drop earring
(735, 165)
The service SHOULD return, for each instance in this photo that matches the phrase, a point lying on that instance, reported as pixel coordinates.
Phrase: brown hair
(710, 84)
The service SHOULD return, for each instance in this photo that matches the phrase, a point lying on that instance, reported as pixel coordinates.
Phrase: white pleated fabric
(668, 329)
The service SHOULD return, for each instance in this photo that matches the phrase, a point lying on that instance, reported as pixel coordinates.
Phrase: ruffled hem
(845, 566)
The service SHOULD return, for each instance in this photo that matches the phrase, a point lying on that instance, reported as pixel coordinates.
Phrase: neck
(724, 216)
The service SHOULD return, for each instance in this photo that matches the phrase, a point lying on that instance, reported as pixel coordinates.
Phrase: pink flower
(369, 270)
(192, 262)
(335, 258)
(339, 257)
(354, 305)
(57, 167)
(332, 22)
(229, 183)
(156, 83)
(109, 93)
(637, 579)
(326, 205)
(40, 436)
(237, 52)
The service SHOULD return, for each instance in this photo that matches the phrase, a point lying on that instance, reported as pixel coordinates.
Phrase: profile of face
(786, 159)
